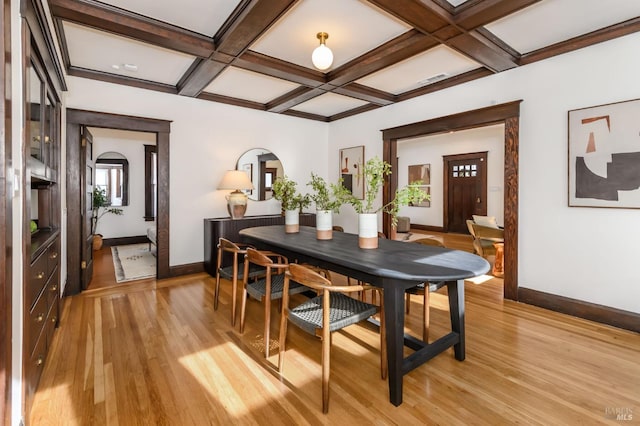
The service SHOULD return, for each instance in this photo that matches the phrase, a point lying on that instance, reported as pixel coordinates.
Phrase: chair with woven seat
(267, 287)
(330, 311)
(484, 235)
(422, 290)
(232, 272)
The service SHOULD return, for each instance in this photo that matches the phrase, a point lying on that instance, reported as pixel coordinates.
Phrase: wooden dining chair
(423, 290)
(233, 271)
(267, 287)
(330, 311)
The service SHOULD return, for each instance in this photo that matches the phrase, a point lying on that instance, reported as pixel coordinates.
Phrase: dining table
(395, 266)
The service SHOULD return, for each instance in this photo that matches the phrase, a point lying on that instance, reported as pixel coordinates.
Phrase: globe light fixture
(322, 56)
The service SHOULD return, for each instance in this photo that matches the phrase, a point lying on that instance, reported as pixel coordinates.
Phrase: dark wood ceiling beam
(605, 34)
(443, 84)
(354, 111)
(485, 12)
(402, 47)
(257, 62)
(358, 91)
(198, 77)
(424, 15)
(307, 115)
(108, 18)
(250, 20)
(293, 98)
(231, 101)
(122, 80)
(484, 51)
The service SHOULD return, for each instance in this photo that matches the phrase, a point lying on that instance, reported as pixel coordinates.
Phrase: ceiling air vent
(434, 78)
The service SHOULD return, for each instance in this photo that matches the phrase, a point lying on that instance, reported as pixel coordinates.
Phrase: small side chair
(329, 311)
(267, 287)
(423, 290)
(232, 272)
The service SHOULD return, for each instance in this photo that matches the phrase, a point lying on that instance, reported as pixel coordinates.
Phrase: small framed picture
(351, 163)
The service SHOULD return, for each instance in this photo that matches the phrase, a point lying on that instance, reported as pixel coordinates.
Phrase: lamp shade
(235, 179)
(322, 56)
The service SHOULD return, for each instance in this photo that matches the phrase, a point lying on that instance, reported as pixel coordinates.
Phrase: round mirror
(263, 167)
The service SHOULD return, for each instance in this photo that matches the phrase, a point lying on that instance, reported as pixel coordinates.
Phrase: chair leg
(282, 341)
(217, 292)
(234, 291)
(326, 354)
(425, 315)
(242, 310)
(407, 302)
(267, 326)
(383, 344)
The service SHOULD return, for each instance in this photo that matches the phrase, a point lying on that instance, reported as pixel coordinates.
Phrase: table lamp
(237, 200)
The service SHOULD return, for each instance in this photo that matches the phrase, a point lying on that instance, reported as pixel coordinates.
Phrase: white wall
(431, 149)
(582, 253)
(130, 144)
(206, 139)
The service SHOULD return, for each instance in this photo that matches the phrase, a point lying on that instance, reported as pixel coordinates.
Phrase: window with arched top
(112, 175)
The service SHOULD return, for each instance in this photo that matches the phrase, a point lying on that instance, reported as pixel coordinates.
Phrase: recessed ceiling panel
(425, 68)
(101, 51)
(202, 16)
(553, 21)
(354, 27)
(456, 2)
(329, 104)
(242, 84)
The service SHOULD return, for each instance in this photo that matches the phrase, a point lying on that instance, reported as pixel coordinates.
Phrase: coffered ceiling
(257, 53)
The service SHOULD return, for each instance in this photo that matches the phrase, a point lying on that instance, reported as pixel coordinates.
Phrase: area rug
(133, 262)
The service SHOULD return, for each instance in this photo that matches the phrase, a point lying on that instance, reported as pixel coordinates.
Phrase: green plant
(328, 196)
(284, 190)
(374, 173)
(101, 206)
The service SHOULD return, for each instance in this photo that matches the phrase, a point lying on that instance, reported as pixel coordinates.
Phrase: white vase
(324, 224)
(291, 221)
(368, 230)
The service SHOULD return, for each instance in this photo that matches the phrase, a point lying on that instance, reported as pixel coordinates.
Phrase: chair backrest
(230, 246)
(308, 277)
(255, 256)
(428, 242)
(338, 228)
(470, 226)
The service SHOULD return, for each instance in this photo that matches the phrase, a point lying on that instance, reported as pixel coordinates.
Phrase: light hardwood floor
(155, 352)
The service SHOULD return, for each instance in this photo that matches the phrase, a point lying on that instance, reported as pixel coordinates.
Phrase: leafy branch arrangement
(284, 190)
(374, 173)
(328, 196)
(100, 201)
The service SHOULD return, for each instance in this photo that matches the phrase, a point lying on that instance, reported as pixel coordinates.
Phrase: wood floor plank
(156, 353)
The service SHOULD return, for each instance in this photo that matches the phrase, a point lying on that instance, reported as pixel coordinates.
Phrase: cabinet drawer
(38, 278)
(37, 317)
(53, 288)
(53, 256)
(50, 325)
(35, 367)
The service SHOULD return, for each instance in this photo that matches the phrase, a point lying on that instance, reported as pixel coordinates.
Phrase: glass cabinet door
(36, 88)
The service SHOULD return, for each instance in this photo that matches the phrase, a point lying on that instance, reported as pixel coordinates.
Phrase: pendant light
(322, 56)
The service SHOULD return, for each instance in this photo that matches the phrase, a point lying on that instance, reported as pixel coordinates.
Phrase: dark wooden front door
(86, 207)
(465, 189)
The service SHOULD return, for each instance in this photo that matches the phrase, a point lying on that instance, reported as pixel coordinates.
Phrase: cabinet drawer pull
(54, 255)
(40, 318)
(54, 288)
(39, 361)
(54, 319)
(40, 275)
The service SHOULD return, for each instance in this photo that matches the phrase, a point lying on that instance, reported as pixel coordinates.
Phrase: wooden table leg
(394, 320)
(455, 290)
(498, 263)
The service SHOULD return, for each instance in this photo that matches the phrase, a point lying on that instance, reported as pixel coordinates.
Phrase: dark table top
(392, 259)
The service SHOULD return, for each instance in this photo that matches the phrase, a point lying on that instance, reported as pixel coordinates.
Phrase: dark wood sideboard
(228, 228)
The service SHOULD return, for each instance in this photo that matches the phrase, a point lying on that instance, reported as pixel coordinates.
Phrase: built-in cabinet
(41, 149)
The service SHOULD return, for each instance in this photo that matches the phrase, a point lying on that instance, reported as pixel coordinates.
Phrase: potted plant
(284, 190)
(374, 172)
(101, 206)
(328, 198)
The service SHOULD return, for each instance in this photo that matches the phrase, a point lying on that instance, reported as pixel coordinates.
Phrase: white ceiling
(355, 27)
